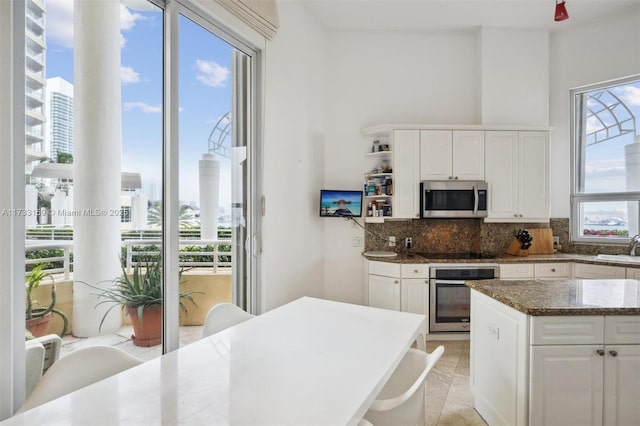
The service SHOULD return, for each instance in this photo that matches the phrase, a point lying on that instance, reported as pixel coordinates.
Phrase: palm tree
(186, 219)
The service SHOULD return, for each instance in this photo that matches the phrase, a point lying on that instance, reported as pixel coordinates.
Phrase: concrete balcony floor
(121, 339)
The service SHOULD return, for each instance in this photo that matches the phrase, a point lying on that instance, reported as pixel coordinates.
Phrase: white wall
(591, 54)
(377, 77)
(293, 240)
(514, 76)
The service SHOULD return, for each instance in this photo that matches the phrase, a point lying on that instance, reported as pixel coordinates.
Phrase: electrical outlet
(356, 242)
(408, 242)
(392, 241)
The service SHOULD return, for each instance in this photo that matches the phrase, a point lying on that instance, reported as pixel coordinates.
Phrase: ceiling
(427, 15)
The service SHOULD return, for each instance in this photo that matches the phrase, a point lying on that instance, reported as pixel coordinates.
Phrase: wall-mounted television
(335, 203)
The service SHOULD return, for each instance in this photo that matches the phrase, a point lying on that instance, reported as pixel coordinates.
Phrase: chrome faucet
(633, 245)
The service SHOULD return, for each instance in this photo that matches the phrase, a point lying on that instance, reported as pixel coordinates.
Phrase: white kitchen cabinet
(406, 174)
(399, 287)
(516, 171)
(516, 271)
(384, 292)
(583, 383)
(556, 270)
(384, 285)
(414, 289)
(451, 154)
(499, 361)
(519, 271)
(633, 273)
(602, 272)
(392, 176)
(566, 385)
(621, 385)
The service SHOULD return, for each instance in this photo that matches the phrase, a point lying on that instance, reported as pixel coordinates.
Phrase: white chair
(223, 315)
(402, 399)
(41, 353)
(77, 370)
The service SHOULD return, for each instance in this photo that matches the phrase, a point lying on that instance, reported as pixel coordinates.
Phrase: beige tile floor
(449, 400)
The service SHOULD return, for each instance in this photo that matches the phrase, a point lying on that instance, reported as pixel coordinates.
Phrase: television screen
(340, 203)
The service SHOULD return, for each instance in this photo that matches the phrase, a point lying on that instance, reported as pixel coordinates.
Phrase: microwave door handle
(475, 199)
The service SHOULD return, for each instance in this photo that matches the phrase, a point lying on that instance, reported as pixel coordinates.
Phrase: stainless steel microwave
(453, 199)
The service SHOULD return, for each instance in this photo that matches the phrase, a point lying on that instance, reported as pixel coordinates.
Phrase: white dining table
(308, 362)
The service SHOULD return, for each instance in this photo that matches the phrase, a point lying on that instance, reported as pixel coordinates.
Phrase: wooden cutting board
(542, 241)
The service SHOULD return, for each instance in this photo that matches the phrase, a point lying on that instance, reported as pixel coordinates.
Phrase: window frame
(577, 198)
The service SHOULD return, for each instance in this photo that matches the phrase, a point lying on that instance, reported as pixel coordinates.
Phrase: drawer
(633, 273)
(552, 270)
(516, 270)
(623, 329)
(384, 268)
(602, 272)
(415, 271)
(569, 330)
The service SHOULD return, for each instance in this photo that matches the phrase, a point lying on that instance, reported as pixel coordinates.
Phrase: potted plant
(140, 295)
(37, 318)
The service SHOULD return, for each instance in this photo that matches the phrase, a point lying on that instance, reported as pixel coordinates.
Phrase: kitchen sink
(619, 258)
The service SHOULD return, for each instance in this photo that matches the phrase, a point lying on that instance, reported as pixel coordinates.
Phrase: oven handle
(475, 199)
(456, 282)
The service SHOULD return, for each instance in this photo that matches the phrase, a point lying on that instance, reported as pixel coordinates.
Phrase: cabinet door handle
(415, 271)
(600, 352)
(396, 282)
(613, 353)
(450, 177)
(456, 177)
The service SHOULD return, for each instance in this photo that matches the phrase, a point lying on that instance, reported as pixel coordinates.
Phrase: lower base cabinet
(585, 385)
(402, 289)
(580, 370)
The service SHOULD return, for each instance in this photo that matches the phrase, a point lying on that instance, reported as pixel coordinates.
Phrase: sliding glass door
(212, 161)
(140, 158)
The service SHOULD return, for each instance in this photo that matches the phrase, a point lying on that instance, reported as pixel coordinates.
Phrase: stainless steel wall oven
(449, 298)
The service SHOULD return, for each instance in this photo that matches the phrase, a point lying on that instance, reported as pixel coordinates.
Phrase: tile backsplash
(469, 236)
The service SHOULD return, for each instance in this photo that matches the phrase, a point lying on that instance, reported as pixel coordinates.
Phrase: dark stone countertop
(506, 258)
(564, 297)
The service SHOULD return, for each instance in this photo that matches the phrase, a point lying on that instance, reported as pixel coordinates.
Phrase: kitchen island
(563, 352)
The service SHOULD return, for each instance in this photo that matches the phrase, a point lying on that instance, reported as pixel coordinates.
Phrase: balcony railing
(193, 253)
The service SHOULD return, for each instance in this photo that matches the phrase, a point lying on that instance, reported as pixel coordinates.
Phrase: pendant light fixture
(561, 11)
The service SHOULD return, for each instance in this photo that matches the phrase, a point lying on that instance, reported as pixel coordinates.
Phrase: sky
(204, 91)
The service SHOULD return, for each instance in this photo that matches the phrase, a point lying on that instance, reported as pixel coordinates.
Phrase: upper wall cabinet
(514, 161)
(517, 172)
(392, 177)
(447, 154)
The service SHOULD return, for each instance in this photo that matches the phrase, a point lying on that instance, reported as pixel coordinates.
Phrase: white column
(97, 160)
(209, 196)
(632, 167)
(31, 205)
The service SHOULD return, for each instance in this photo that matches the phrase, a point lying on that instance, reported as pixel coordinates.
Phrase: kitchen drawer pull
(600, 352)
(396, 282)
(613, 353)
(553, 269)
(415, 271)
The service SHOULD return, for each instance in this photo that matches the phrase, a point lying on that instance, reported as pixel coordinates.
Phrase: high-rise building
(59, 127)
(36, 82)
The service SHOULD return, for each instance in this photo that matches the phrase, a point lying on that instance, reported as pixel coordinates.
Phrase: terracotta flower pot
(150, 333)
(38, 326)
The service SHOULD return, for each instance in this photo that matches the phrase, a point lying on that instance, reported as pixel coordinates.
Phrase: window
(606, 161)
